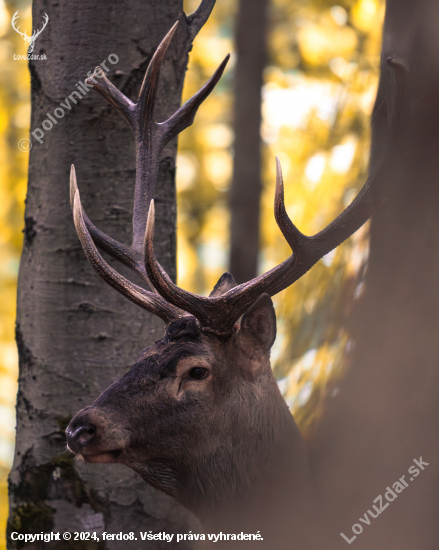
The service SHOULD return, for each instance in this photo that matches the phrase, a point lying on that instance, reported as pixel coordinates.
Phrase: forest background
(319, 85)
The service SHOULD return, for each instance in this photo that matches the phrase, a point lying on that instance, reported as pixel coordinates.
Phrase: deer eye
(198, 373)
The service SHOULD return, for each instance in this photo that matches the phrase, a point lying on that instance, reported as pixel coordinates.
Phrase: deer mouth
(104, 457)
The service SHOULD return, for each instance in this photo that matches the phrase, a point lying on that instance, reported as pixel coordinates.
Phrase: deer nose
(80, 437)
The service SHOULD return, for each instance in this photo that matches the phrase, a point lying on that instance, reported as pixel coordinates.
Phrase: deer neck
(265, 492)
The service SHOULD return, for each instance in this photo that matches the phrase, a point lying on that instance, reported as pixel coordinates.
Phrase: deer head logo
(30, 40)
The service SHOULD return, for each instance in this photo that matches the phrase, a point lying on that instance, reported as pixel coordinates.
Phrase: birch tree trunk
(75, 335)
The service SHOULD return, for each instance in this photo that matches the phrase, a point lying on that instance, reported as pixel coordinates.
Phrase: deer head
(200, 411)
(30, 40)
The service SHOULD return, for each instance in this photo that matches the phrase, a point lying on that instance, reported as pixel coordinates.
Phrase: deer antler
(148, 300)
(150, 138)
(218, 313)
(23, 34)
(199, 17)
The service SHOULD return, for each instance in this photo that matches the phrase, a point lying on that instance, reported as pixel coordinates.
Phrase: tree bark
(75, 335)
(245, 193)
(386, 412)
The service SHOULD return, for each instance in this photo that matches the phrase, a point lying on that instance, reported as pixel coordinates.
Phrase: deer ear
(225, 283)
(257, 332)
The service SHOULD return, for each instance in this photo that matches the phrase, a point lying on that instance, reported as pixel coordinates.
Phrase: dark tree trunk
(76, 335)
(245, 193)
(386, 413)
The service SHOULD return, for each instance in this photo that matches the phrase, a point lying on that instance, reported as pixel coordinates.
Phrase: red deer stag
(199, 416)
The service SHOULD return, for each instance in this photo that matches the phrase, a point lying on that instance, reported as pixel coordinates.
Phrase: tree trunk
(386, 412)
(245, 193)
(75, 335)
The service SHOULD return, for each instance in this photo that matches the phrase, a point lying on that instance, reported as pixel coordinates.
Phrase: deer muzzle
(93, 437)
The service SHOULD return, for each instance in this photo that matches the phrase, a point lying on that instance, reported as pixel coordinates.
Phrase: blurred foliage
(14, 125)
(204, 162)
(318, 95)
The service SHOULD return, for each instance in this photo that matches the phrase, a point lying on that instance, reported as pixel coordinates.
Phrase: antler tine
(73, 185)
(171, 292)
(334, 234)
(292, 235)
(217, 314)
(148, 91)
(197, 19)
(147, 300)
(115, 249)
(184, 117)
(113, 95)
